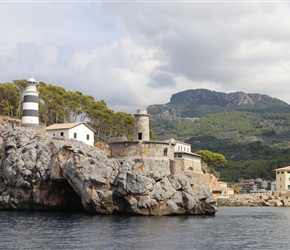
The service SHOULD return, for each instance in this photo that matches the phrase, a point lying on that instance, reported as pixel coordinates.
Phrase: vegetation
(251, 130)
(56, 105)
(212, 160)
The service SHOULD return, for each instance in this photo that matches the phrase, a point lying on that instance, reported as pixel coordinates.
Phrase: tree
(53, 98)
(78, 105)
(21, 84)
(11, 94)
(236, 188)
(151, 133)
(212, 160)
(4, 107)
(123, 125)
(101, 119)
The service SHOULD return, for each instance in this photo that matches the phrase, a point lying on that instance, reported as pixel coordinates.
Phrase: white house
(283, 179)
(75, 130)
(182, 146)
(184, 158)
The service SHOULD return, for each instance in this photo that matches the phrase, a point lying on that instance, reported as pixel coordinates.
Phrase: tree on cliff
(10, 98)
(56, 105)
(212, 160)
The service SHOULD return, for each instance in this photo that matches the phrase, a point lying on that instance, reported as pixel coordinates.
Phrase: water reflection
(230, 228)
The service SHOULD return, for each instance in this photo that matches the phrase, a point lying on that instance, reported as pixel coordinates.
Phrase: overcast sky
(136, 53)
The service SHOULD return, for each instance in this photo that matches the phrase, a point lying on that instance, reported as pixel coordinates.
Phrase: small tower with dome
(30, 104)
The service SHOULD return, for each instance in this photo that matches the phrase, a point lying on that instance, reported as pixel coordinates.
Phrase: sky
(133, 54)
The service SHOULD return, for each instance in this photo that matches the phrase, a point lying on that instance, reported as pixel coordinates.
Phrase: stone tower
(30, 104)
(141, 131)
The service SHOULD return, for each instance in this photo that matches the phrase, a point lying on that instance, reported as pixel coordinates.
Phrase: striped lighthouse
(30, 104)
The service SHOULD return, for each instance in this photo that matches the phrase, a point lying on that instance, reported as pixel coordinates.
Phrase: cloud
(161, 80)
(134, 54)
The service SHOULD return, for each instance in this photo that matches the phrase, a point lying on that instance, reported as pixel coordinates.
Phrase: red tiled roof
(66, 126)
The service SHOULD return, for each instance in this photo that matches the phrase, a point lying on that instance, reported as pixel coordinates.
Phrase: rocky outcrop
(273, 199)
(42, 172)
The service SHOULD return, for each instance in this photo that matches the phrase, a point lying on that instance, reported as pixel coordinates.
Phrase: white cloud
(135, 54)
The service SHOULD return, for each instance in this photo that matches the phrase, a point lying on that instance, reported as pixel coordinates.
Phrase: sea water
(230, 228)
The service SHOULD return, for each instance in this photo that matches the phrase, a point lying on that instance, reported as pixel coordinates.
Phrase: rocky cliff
(42, 172)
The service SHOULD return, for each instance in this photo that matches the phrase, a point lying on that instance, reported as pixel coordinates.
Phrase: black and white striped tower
(30, 104)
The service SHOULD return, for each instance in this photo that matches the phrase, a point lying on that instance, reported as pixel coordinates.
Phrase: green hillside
(251, 130)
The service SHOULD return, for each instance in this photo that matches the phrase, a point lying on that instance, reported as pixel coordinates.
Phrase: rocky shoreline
(42, 172)
(274, 199)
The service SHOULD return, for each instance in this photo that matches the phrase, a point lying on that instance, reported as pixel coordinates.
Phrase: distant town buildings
(222, 190)
(256, 185)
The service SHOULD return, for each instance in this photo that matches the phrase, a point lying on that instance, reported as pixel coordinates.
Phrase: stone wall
(188, 164)
(139, 149)
(206, 179)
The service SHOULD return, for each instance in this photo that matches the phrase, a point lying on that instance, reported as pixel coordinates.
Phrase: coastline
(273, 199)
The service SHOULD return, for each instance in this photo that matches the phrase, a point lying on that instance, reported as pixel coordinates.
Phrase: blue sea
(230, 228)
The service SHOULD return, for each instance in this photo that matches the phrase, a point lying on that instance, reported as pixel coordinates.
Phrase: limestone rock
(42, 172)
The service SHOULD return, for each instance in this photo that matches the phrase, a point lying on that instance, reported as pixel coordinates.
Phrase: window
(88, 137)
(165, 151)
(75, 135)
(278, 172)
(288, 187)
(139, 136)
(61, 133)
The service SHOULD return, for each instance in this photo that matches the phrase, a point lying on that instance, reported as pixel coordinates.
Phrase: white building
(273, 186)
(282, 179)
(182, 146)
(184, 158)
(76, 130)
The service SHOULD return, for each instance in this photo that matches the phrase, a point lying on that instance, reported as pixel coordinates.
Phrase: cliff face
(41, 172)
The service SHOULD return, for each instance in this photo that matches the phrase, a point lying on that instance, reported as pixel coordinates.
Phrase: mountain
(251, 130)
(201, 102)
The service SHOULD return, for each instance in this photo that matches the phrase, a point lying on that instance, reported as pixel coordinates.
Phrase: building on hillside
(222, 190)
(246, 185)
(273, 186)
(75, 130)
(184, 158)
(282, 179)
(171, 158)
(187, 160)
(182, 146)
(142, 149)
(255, 185)
(30, 116)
